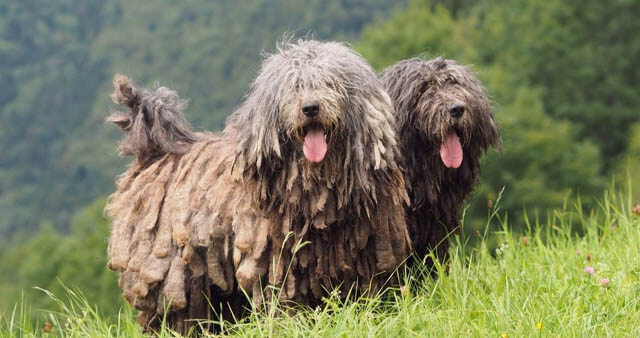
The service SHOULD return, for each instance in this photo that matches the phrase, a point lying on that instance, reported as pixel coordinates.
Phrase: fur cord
(154, 123)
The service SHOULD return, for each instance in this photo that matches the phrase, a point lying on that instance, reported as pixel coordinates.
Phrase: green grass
(525, 287)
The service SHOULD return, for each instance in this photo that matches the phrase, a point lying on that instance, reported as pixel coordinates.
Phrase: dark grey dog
(445, 124)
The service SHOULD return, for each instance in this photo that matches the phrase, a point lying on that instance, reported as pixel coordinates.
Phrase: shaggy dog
(445, 124)
(301, 192)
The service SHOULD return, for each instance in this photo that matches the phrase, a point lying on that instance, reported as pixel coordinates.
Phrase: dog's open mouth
(451, 150)
(315, 142)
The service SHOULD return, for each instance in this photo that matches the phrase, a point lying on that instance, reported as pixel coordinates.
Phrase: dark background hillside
(564, 78)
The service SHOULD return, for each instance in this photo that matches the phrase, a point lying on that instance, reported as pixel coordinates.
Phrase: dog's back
(171, 236)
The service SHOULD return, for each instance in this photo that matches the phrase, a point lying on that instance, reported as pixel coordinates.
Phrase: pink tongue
(451, 150)
(315, 147)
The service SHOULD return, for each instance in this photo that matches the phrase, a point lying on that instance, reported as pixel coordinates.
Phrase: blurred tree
(51, 83)
(583, 56)
(542, 161)
(49, 259)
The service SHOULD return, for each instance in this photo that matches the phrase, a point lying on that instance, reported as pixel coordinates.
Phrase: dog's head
(445, 105)
(317, 101)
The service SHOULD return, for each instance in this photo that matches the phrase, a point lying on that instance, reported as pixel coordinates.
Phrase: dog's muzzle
(311, 109)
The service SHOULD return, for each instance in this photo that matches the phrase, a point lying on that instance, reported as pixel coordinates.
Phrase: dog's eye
(429, 83)
(426, 86)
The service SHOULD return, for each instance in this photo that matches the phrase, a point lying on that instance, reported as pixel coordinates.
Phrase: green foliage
(51, 261)
(542, 160)
(533, 284)
(48, 87)
(581, 55)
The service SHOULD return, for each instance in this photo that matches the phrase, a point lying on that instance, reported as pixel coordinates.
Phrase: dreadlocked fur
(442, 111)
(170, 240)
(348, 208)
(201, 217)
(155, 123)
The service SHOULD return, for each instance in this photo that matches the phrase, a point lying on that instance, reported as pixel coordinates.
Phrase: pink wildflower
(590, 270)
(604, 282)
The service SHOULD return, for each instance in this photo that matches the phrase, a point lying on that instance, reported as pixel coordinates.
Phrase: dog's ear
(374, 141)
(405, 83)
(486, 130)
(489, 132)
(255, 127)
(256, 123)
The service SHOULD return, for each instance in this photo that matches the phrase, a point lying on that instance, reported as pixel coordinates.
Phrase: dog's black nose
(456, 110)
(311, 109)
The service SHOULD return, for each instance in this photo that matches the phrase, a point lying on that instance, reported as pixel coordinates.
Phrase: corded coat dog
(300, 193)
(444, 123)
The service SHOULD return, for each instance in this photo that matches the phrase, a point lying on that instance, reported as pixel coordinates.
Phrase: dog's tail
(154, 123)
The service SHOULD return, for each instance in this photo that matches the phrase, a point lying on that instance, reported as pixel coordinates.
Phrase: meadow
(573, 273)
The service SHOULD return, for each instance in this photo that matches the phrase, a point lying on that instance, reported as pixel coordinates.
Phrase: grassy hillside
(547, 281)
